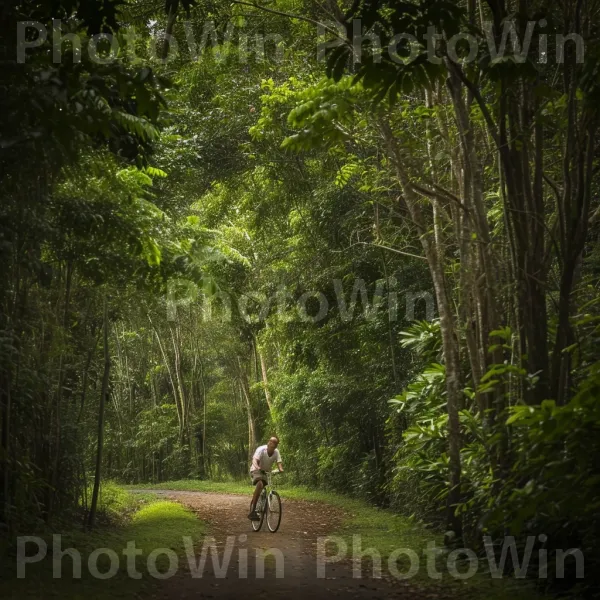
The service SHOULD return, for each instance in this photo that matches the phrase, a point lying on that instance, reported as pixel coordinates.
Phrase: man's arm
(255, 459)
(279, 463)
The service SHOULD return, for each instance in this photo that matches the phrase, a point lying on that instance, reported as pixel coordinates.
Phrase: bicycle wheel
(260, 506)
(274, 512)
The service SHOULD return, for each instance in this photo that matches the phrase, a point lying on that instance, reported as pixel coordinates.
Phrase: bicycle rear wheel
(274, 512)
(260, 509)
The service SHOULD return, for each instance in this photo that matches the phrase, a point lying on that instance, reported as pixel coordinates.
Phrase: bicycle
(269, 506)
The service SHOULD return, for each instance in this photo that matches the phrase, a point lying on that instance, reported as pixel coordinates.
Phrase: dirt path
(296, 540)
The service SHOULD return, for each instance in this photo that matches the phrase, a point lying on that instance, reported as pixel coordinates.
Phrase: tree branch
(282, 13)
(441, 194)
(390, 249)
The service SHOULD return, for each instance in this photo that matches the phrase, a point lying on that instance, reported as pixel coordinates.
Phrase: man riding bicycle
(262, 461)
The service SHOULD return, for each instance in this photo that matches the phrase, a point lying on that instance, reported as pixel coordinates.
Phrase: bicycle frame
(270, 479)
(265, 495)
(266, 492)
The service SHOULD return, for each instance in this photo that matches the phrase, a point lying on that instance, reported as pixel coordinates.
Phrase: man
(262, 461)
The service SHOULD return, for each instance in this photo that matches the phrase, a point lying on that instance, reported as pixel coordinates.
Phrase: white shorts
(257, 476)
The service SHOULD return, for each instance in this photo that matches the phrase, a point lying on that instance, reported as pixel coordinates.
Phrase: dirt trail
(302, 523)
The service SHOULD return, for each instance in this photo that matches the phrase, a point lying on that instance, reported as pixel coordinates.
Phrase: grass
(381, 529)
(154, 524)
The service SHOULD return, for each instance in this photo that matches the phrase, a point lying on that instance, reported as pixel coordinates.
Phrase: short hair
(274, 437)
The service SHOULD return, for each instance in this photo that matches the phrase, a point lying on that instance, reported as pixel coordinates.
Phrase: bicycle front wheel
(274, 512)
(260, 509)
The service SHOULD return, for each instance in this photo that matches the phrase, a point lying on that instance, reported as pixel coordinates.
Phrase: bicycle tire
(256, 525)
(274, 512)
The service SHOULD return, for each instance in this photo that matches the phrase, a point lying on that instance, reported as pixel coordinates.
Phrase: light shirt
(261, 460)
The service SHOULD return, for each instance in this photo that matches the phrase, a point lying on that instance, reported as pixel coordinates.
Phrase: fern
(138, 126)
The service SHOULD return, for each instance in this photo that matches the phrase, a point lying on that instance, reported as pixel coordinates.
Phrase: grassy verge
(151, 524)
(384, 530)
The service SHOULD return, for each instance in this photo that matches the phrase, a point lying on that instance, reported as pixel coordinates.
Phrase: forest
(369, 227)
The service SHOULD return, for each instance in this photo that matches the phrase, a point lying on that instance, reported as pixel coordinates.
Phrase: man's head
(273, 443)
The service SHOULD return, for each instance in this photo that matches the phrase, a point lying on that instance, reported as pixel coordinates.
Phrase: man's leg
(257, 490)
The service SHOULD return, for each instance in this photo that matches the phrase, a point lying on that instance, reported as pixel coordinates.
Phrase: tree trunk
(84, 379)
(389, 329)
(204, 472)
(181, 386)
(103, 397)
(171, 380)
(246, 393)
(5, 445)
(450, 345)
(263, 367)
(171, 19)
